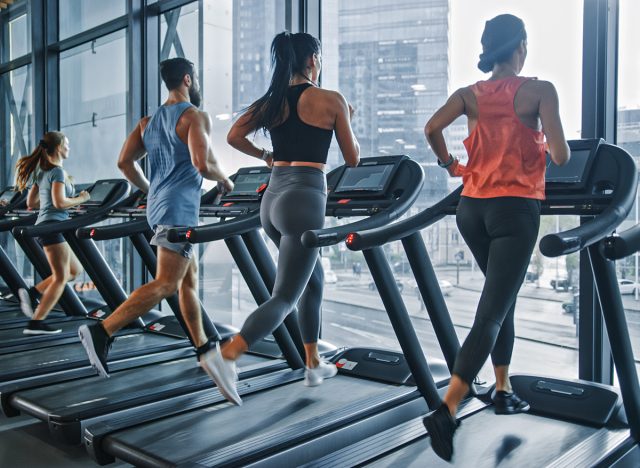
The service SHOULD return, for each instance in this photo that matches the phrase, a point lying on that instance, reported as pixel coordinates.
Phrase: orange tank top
(506, 158)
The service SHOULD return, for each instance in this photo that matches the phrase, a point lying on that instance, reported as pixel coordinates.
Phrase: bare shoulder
(332, 97)
(193, 115)
(540, 87)
(142, 124)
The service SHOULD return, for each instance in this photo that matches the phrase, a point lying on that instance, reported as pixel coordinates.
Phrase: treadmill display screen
(571, 173)
(99, 193)
(364, 178)
(248, 184)
(6, 197)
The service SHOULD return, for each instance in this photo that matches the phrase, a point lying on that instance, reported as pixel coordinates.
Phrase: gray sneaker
(314, 377)
(223, 373)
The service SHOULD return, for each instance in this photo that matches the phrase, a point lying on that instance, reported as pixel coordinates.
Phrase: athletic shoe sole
(87, 342)
(433, 433)
(28, 331)
(211, 372)
(25, 302)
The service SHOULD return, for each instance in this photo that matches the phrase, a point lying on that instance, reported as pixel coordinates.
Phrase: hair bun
(43, 144)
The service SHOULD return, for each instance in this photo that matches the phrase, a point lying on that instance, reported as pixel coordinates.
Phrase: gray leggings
(294, 203)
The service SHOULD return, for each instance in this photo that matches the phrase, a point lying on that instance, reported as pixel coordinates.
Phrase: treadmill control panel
(250, 184)
(372, 186)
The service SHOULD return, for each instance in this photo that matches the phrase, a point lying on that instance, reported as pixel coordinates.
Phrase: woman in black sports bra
(301, 119)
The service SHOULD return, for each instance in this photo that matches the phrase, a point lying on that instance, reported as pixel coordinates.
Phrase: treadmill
(277, 410)
(141, 390)
(13, 212)
(571, 422)
(159, 339)
(106, 194)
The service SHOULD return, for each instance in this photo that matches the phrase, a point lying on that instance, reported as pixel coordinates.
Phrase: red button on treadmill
(344, 201)
(228, 204)
(261, 188)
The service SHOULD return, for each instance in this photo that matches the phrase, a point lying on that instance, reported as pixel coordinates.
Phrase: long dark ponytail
(289, 54)
(26, 166)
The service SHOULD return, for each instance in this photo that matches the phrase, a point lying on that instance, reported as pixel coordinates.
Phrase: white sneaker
(25, 302)
(314, 377)
(223, 372)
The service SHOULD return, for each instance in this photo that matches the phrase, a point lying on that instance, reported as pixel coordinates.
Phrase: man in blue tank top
(176, 142)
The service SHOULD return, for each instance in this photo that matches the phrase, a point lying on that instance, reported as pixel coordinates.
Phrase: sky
(554, 39)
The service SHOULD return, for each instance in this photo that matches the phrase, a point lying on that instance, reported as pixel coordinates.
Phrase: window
(93, 106)
(77, 16)
(19, 37)
(16, 130)
(628, 137)
(396, 63)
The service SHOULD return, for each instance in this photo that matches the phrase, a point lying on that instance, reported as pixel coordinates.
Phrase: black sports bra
(294, 140)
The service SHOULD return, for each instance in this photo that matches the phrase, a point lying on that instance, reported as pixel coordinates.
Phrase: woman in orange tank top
(509, 117)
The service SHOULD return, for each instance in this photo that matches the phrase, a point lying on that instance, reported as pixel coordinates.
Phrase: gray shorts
(160, 239)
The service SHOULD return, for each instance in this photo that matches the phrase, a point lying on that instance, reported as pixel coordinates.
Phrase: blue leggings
(294, 202)
(501, 233)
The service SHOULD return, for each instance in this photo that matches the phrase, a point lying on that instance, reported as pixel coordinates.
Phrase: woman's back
(307, 126)
(505, 146)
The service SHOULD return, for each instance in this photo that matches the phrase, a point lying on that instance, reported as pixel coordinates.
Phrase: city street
(546, 342)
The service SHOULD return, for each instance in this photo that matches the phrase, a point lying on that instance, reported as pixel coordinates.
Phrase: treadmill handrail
(362, 240)
(119, 194)
(113, 231)
(621, 245)
(602, 225)
(334, 235)
(9, 223)
(216, 231)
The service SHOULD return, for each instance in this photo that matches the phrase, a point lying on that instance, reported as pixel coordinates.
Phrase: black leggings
(501, 233)
(294, 203)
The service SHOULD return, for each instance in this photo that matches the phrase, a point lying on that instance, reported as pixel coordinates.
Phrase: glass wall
(19, 37)
(76, 16)
(93, 105)
(396, 62)
(628, 136)
(93, 116)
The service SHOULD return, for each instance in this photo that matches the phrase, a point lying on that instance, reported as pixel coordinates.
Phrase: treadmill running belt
(490, 440)
(274, 415)
(14, 336)
(92, 396)
(70, 355)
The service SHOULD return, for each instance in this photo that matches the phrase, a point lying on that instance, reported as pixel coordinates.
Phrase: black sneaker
(441, 427)
(96, 343)
(38, 327)
(509, 403)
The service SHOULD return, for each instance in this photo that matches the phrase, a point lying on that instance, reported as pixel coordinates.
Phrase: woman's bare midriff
(299, 163)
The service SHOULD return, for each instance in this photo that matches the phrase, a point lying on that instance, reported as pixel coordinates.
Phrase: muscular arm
(551, 124)
(347, 141)
(452, 109)
(33, 197)
(199, 143)
(133, 150)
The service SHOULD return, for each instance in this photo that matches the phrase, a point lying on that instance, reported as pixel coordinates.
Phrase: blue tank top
(174, 183)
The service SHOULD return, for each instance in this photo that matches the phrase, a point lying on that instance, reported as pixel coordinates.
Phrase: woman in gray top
(52, 192)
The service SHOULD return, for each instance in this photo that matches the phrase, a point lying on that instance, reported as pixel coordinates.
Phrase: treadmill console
(8, 195)
(100, 192)
(369, 187)
(249, 186)
(575, 174)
